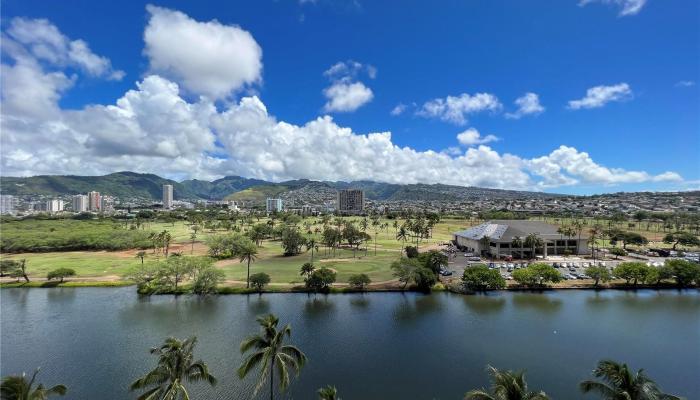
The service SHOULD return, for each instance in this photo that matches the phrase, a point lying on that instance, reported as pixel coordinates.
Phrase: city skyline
(498, 109)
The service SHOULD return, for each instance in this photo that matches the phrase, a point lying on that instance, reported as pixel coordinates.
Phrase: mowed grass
(85, 263)
(283, 270)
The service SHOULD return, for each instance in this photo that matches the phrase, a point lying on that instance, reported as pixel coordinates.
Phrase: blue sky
(643, 128)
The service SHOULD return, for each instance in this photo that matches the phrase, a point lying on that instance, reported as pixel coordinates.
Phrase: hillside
(295, 192)
(121, 184)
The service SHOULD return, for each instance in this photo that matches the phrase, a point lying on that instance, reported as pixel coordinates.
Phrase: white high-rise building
(7, 204)
(54, 206)
(274, 205)
(80, 203)
(94, 201)
(168, 196)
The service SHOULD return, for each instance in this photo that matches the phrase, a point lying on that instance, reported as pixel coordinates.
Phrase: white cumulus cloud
(528, 104)
(398, 109)
(207, 58)
(627, 7)
(346, 93)
(471, 137)
(45, 42)
(455, 109)
(598, 96)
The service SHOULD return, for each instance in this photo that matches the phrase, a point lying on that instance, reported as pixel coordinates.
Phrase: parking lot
(571, 268)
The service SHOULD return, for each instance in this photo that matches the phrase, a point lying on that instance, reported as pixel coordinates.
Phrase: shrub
(537, 274)
(632, 271)
(259, 281)
(60, 273)
(411, 252)
(321, 279)
(359, 281)
(207, 280)
(480, 277)
(598, 274)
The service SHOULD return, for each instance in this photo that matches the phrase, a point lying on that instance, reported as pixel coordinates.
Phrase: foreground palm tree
(175, 366)
(15, 387)
(328, 393)
(505, 385)
(620, 383)
(270, 353)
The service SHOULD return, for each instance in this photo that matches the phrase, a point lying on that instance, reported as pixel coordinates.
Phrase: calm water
(372, 346)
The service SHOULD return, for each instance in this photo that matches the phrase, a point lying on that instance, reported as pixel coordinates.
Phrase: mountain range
(149, 186)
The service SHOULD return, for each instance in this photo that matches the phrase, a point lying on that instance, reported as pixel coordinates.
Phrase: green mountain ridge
(127, 184)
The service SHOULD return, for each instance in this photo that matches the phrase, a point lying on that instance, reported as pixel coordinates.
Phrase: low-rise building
(508, 238)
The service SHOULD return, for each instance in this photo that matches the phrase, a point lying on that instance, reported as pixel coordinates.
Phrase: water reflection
(160, 309)
(59, 294)
(415, 306)
(318, 306)
(540, 302)
(484, 304)
(360, 301)
(258, 305)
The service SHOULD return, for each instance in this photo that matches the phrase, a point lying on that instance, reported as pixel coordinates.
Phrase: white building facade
(80, 203)
(7, 204)
(168, 196)
(274, 205)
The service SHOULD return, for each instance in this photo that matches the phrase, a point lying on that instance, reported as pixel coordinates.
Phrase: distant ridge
(128, 184)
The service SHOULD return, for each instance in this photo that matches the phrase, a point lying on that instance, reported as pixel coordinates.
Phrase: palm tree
(15, 387)
(141, 254)
(620, 383)
(517, 242)
(247, 253)
(175, 366)
(533, 241)
(505, 385)
(270, 352)
(307, 269)
(311, 245)
(577, 226)
(485, 242)
(328, 393)
(402, 235)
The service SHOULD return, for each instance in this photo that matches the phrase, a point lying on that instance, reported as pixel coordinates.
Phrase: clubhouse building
(507, 238)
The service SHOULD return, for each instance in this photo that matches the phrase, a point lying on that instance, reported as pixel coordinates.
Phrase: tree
(433, 260)
(683, 238)
(193, 237)
(306, 270)
(533, 242)
(536, 275)
(175, 366)
(631, 271)
(480, 277)
(60, 273)
(292, 241)
(17, 387)
(485, 242)
(321, 279)
(598, 274)
(617, 252)
(618, 382)
(207, 279)
(141, 254)
(402, 234)
(505, 385)
(517, 242)
(247, 252)
(311, 245)
(14, 269)
(270, 352)
(328, 393)
(359, 281)
(685, 272)
(259, 281)
(411, 270)
(411, 251)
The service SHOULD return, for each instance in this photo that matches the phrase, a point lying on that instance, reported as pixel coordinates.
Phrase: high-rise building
(350, 201)
(274, 205)
(94, 201)
(80, 203)
(168, 196)
(54, 206)
(7, 204)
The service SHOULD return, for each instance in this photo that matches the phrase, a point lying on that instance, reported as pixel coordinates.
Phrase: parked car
(474, 258)
(446, 273)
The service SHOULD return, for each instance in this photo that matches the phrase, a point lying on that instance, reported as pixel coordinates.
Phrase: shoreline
(442, 287)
